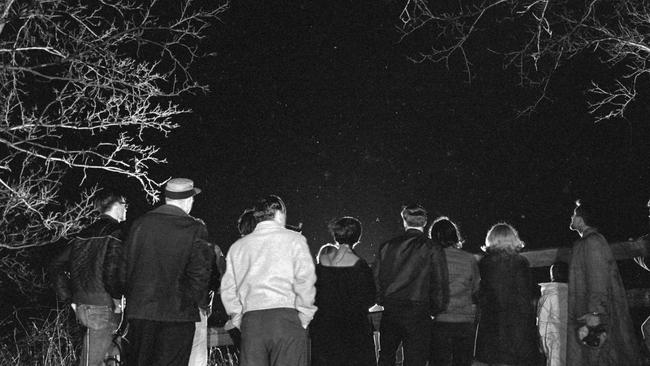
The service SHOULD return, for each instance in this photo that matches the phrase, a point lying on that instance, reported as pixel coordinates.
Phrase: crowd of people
(442, 304)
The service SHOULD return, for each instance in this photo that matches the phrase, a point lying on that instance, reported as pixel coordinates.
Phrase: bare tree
(83, 83)
(548, 35)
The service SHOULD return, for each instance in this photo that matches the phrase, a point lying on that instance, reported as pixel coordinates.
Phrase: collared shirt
(268, 269)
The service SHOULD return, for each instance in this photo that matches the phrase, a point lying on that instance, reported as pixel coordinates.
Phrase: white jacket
(552, 321)
(268, 269)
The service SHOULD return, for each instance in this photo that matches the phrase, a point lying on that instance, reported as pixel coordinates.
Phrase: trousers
(273, 337)
(100, 322)
(199, 354)
(157, 343)
(409, 325)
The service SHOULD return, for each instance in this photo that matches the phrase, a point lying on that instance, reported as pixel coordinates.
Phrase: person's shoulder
(465, 255)
(294, 236)
(522, 261)
(197, 220)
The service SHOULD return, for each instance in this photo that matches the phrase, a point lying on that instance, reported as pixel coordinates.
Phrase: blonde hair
(503, 237)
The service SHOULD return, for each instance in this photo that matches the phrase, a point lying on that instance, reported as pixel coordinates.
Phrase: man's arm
(476, 280)
(113, 260)
(228, 292)
(199, 267)
(439, 287)
(59, 274)
(376, 270)
(304, 280)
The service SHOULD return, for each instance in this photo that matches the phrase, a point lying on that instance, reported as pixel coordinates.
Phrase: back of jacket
(464, 280)
(92, 259)
(412, 268)
(168, 266)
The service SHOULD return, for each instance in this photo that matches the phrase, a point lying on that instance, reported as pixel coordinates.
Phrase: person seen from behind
(268, 289)
(412, 285)
(453, 330)
(167, 277)
(507, 334)
(552, 315)
(92, 259)
(341, 333)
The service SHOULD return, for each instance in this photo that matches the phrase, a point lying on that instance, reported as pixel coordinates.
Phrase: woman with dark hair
(452, 341)
(246, 222)
(507, 334)
(341, 333)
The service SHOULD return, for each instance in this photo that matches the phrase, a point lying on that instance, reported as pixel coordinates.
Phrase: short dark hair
(265, 208)
(560, 272)
(588, 211)
(246, 222)
(345, 230)
(105, 199)
(414, 215)
(445, 232)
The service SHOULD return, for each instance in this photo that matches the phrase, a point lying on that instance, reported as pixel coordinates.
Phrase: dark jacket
(86, 272)
(168, 266)
(412, 268)
(507, 333)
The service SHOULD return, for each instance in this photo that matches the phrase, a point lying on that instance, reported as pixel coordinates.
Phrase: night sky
(317, 102)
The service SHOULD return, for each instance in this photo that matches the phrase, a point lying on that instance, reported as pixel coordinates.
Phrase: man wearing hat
(168, 262)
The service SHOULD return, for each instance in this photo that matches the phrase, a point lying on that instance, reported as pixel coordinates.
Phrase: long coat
(506, 333)
(168, 266)
(595, 286)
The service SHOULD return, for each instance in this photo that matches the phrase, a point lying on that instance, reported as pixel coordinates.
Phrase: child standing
(552, 315)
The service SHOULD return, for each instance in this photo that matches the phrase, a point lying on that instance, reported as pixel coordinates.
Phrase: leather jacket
(87, 271)
(412, 269)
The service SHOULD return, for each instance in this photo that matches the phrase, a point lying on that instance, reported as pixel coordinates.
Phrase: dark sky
(318, 103)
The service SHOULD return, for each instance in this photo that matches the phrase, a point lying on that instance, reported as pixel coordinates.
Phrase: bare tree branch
(549, 34)
(81, 85)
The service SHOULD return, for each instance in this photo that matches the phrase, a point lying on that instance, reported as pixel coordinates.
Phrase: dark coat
(412, 268)
(168, 266)
(507, 333)
(595, 286)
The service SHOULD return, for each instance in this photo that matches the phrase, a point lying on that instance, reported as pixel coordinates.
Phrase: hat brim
(182, 195)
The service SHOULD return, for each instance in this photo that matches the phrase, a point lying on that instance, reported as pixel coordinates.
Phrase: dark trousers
(452, 344)
(410, 325)
(273, 337)
(155, 343)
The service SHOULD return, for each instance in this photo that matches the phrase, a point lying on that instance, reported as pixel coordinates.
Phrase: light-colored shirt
(268, 269)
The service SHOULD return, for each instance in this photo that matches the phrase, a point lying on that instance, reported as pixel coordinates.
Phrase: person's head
(111, 203)
(445, 232)
(503, 237)
(559, 272)
(246, 222)
(414, 216)
(584, 217)
(346, 230)
(180, 192)
(270, 208)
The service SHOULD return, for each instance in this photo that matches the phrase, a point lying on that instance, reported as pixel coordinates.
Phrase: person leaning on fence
(453, 330)
(167, 278)
(268, 289)
(92, 260)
